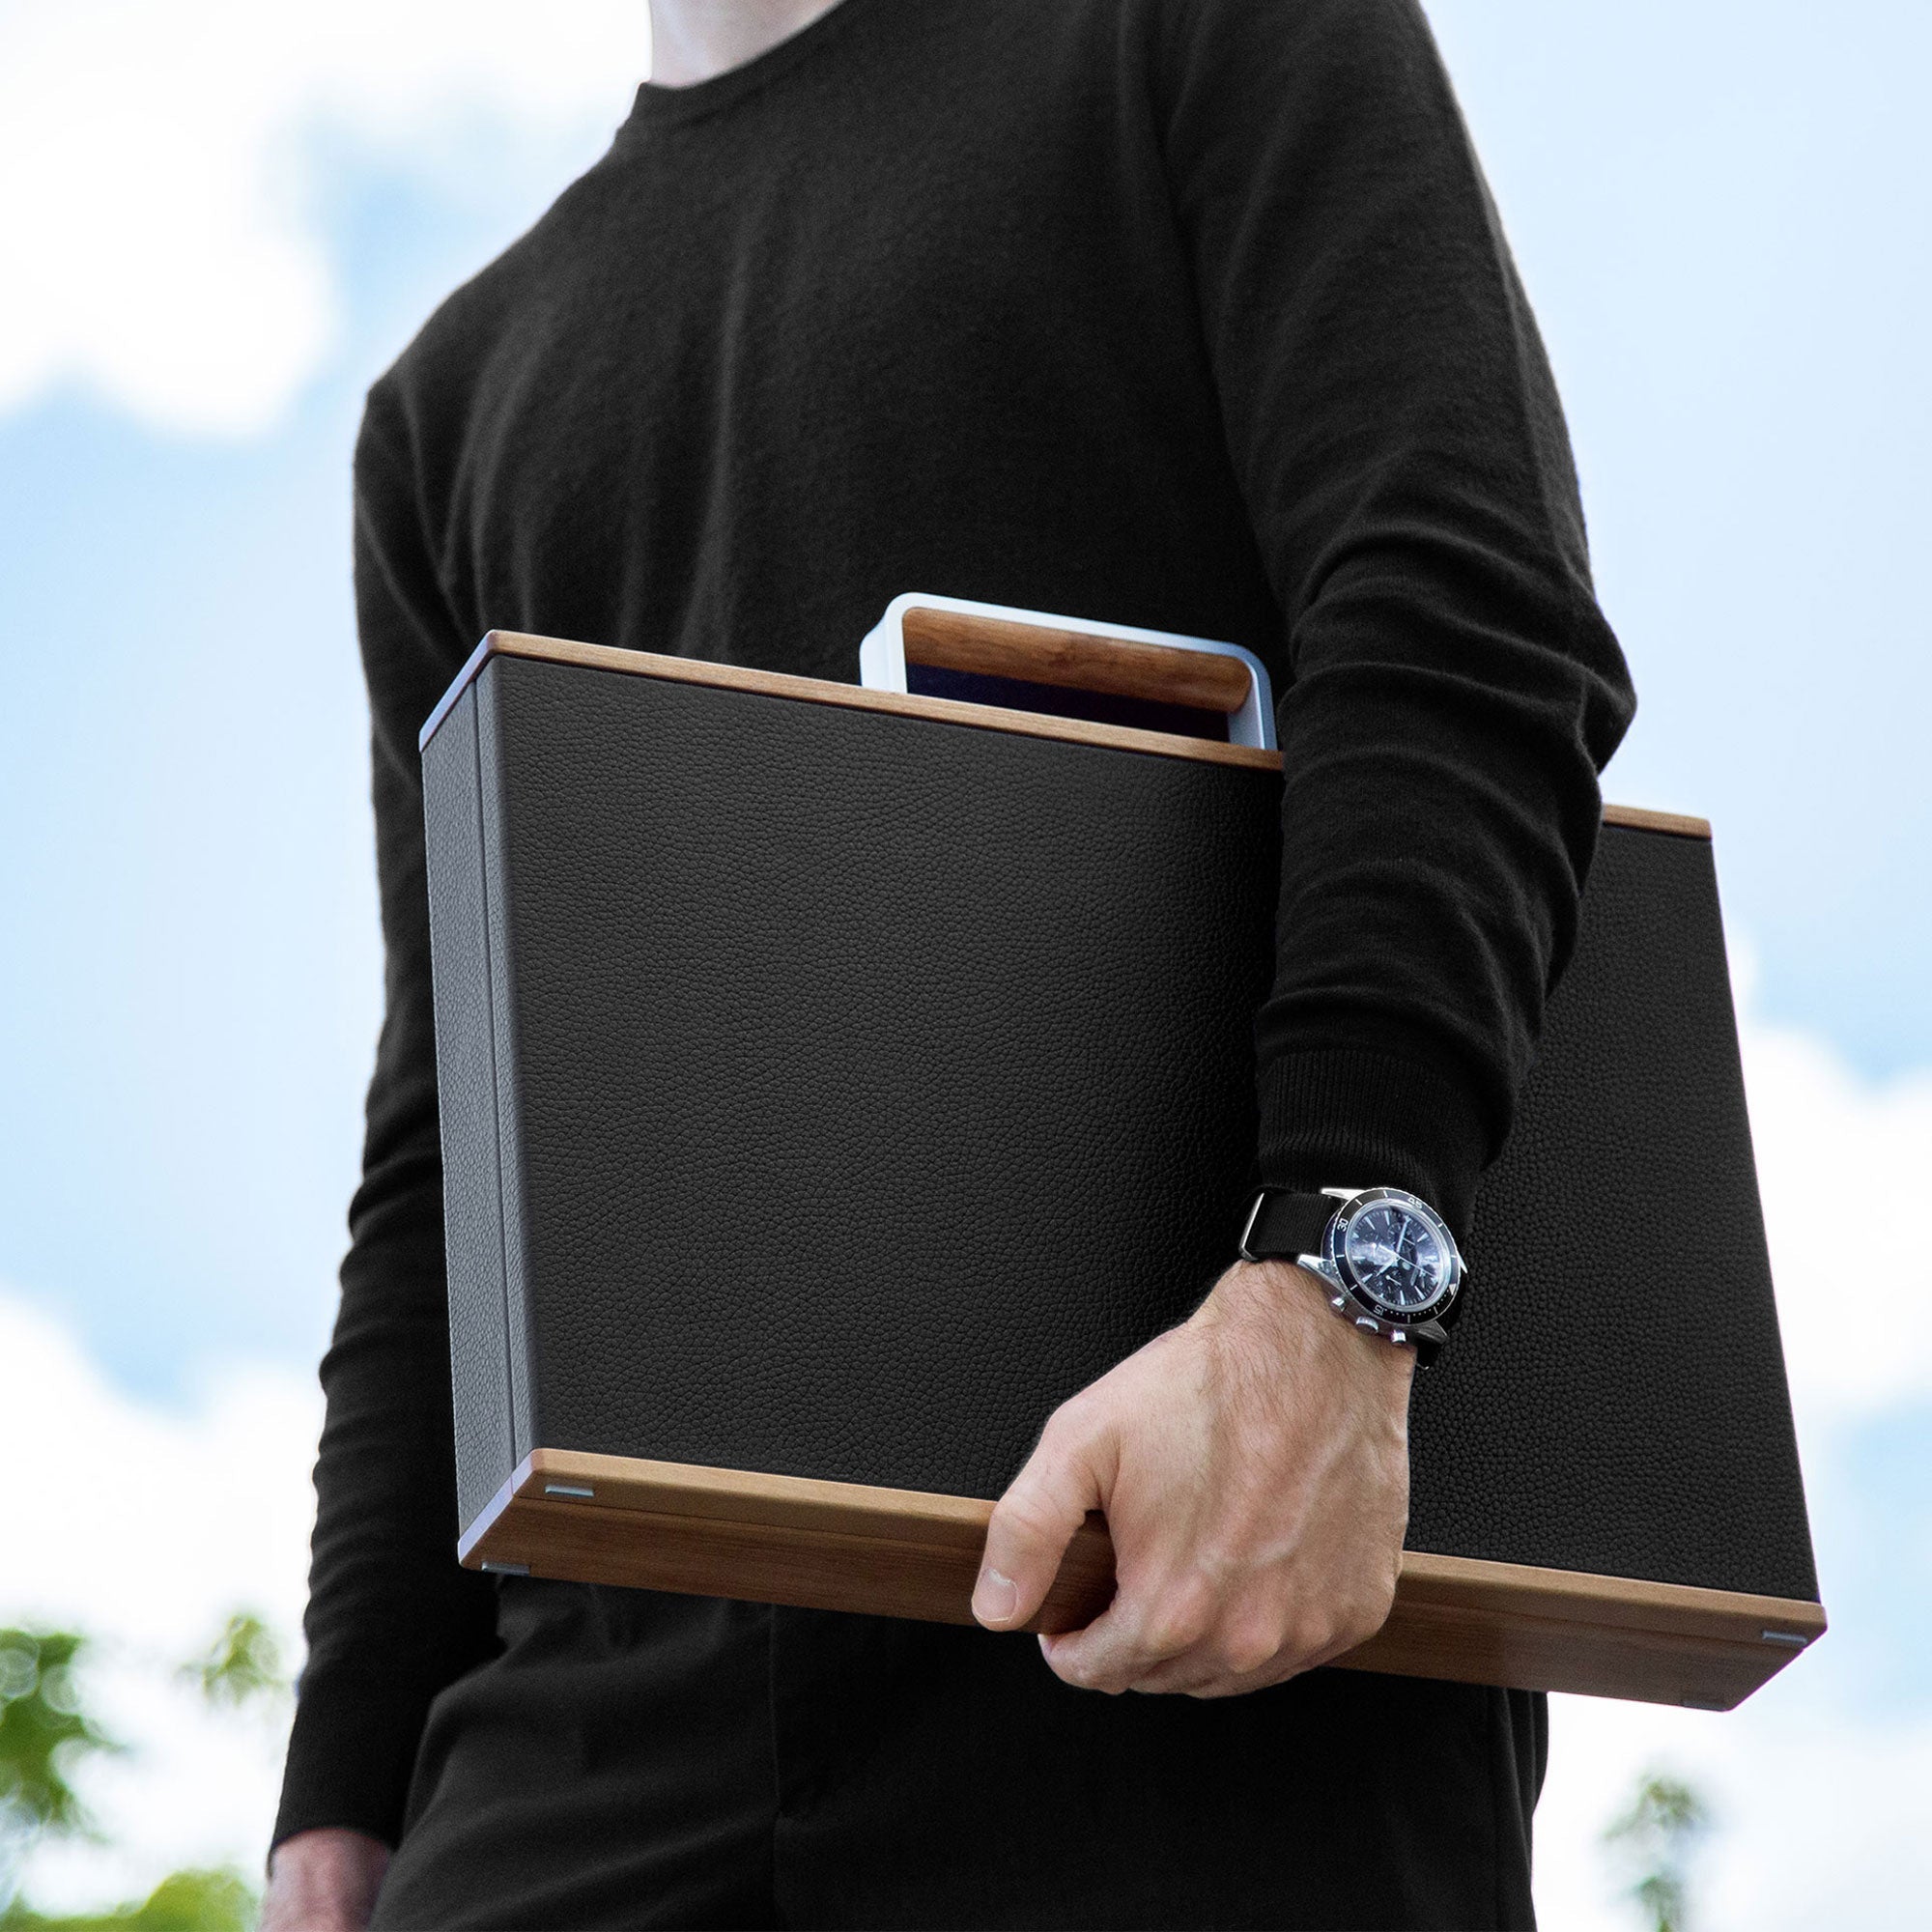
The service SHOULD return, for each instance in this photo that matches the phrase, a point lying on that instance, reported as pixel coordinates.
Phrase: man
(1193, 314)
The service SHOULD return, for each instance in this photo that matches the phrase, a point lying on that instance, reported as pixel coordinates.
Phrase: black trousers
(636, 1759)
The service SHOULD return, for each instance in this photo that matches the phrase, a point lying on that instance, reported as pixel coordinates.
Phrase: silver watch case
(1347, 1300)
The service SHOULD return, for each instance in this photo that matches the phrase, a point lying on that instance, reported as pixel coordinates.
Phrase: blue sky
(1723, 213)
(190, 996)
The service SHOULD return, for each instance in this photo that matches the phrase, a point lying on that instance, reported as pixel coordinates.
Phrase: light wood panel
(1638, 819)
(1074, 660)
(896, 1552)
(749, 1496)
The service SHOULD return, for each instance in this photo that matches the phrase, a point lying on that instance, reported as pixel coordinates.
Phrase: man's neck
(694, 40)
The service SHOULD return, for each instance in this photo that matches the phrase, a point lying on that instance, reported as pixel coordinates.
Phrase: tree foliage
(46, 1732)
(242, 1666)
(1655, 1841)
(188, 1901)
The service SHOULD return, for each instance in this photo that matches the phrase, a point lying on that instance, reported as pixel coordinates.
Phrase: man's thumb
(1030, 1527)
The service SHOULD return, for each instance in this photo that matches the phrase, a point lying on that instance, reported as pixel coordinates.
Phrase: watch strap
(1282, 1226)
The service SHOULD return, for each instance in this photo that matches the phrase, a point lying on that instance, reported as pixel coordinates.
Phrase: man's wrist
(1284, 1299)
(1389, 1262)
(324, 1880)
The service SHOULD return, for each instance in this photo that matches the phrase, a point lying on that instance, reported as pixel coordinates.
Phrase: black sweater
(1192, 314)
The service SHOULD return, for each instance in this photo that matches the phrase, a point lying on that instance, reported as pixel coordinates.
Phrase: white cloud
(145, 1529)
(1819, 1822)
(1821, 1133)
(156, 206)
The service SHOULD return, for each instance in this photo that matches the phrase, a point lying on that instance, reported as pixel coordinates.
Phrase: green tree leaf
(44, 1733)
(188, 1901)
(242, 1666)
(1654, 1841)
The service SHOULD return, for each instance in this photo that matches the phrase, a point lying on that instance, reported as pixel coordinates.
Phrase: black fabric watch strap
(1282, 1226)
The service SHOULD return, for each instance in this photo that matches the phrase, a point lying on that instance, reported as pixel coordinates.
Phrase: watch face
(1397, 1255)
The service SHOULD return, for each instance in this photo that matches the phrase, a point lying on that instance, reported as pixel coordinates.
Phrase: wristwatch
(1389, 1258)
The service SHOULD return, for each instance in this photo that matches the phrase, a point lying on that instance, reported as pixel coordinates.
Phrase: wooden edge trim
(1639, 818)
(750, 1497)
(1074, 660)
(802, 1504)
(942, 710)
(850, 697)
(775, 1563)
(1626, 1602)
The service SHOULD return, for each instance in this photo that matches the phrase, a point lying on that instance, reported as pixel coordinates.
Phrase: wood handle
(1074, 660)
(1084, 1586)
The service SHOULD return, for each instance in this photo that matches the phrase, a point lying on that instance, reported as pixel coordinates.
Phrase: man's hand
(323, 1882)
(1253, 1465)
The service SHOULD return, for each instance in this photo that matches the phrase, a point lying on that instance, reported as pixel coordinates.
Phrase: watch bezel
(1336, 1264)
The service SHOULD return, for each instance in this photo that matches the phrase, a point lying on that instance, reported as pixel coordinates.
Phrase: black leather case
(829, 1090)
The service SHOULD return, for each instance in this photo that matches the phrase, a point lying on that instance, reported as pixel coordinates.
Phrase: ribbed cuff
(350, 1755)
(1355, 1117)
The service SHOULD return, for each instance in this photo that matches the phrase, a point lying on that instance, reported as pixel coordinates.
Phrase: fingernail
(993, 1597)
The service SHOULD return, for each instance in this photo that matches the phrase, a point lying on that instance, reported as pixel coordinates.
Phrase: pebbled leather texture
(866, 1085)
(505, 941)
(466, 1072)
(1614, 1396)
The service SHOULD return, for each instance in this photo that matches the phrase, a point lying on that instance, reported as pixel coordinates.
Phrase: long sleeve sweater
(1191, 314)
